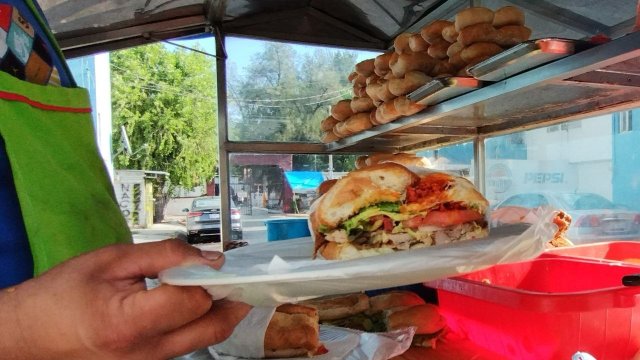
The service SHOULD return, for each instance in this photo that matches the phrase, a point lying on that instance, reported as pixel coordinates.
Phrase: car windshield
(586, 202)
(206, 203)
(209, 203)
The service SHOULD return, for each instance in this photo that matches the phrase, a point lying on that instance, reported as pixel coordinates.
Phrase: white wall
(103, 109)
(585, 145)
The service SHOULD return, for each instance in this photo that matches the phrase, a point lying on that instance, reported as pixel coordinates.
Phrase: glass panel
(588, 168)
(280, 92)
(163, 105)
(279, 186)
(455, 158)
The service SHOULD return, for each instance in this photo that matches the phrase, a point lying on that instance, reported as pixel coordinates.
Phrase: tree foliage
(166, 101)
(284, 95)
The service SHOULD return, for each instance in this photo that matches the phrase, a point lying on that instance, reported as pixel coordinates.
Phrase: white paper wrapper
(341, 343)
(247, 338)
(273, 273)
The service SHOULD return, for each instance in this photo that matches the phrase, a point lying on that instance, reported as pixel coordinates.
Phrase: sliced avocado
(388, 209)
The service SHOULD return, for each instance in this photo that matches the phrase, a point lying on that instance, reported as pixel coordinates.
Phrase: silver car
(203, 220)
(594, 218)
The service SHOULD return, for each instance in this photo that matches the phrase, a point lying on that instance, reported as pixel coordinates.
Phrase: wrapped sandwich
(386, 207)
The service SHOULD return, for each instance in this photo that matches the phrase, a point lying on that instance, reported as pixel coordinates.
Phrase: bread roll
(449, 33)
(361, 104)
(417, 43)
(454, 49)
(352, 76)
(341, 110)
(365, 67)
(359, 91)
(511, 35)
(393, 299)
(478, 50)
(389, 76)
(373, 78)
(428, 318)
(508, 15)
(340, 130)
(384, 94)
(372, 116)
(444, 68)
(401, 43)
(407, 107)
(293, 331)
(381, 63)
(472, 16)
(408, 83)
(357, 123)
(376, 158)
(361, 161)
(393, 60)
(481, 32)
(386, 113)
(325, 186)
(359, 80)
(432, 32)
(339, 306)
(438, 50)
(328, 123)
(373, 89)
(420, 61)
(456, 61)
(329, 136)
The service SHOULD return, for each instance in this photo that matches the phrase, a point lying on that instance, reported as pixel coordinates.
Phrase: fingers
(166, 308)
(214, 327)
(149, 259)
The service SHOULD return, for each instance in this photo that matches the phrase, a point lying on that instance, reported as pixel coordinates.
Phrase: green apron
(66, 197)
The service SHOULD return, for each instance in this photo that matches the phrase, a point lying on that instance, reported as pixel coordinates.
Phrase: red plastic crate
(548, 308)
(625, 251)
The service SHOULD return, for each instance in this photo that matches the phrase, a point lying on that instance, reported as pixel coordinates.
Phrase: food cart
(541, 84)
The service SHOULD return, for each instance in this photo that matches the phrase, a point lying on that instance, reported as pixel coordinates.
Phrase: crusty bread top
(293, 329)
(298, 309)
(394, 299)
(339, 306)
(445, 187)
(426, 318)
(361, 188)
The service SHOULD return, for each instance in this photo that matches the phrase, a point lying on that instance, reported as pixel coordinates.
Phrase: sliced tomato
(413, 223)
(387, 223)
(450, 217)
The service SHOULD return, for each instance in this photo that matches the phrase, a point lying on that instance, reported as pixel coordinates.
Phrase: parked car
(594, 218)
(203, 220)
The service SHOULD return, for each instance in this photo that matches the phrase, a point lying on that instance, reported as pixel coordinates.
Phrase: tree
(283, 96)
(166, 101)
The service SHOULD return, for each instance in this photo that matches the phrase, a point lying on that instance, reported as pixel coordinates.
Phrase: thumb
(150, 258)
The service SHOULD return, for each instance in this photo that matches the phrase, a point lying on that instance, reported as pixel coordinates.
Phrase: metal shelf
(602, 79)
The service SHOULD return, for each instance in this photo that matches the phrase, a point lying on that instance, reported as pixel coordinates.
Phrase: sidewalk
(160, 231)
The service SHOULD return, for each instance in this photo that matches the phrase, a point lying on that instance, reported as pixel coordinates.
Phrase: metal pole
(330, 166)
(479, 163)
(221, 76)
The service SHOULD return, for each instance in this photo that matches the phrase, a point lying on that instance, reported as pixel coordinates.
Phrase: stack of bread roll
(482, 33)
(441, 48)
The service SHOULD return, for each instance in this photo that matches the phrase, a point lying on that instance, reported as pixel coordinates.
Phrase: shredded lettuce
(361, 219)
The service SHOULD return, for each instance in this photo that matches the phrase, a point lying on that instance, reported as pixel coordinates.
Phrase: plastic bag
(274, 273)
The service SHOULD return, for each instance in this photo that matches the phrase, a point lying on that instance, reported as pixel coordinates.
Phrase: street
(254, 229)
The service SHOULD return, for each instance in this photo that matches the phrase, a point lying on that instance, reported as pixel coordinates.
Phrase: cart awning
(304, 181)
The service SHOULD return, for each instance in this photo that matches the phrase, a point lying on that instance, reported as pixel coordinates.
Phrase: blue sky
(241, 50)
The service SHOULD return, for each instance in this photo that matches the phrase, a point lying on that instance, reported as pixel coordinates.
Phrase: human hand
(96, 306)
